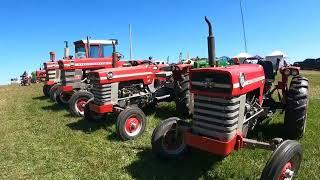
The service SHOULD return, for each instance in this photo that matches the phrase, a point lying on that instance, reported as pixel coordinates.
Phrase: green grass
(40, 140)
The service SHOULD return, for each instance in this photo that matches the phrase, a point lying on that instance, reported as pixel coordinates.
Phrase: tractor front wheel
(296, 109)
(168, 140)
(62, 98)
(45, 90)
(77, 102)
(284, 162)
(52, 92)
(131, 123)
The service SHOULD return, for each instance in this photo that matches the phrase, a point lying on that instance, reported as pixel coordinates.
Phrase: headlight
(287, 72)
(242, 80)
(110, 75)
(294, 72)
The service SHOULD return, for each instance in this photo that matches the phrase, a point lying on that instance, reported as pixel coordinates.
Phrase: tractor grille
(69, 77)
(101, 93)
(216, 117)
(51, 75)
(211, 82)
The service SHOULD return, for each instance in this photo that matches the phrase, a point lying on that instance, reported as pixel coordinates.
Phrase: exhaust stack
(114, 55)
(66, 50)
(211, 45)
(88, 46)
(52, 56)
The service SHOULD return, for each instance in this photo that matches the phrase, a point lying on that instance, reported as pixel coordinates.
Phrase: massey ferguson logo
(208, 83)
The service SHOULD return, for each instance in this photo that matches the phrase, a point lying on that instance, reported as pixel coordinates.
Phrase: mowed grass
(40, 140)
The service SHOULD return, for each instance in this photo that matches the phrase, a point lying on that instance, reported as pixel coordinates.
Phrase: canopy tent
(243, 55)
(278, 53)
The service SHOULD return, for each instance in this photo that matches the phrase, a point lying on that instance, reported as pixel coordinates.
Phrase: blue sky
(30, 29)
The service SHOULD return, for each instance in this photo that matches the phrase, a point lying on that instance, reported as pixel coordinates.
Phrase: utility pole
(130, 39)
(243, 28)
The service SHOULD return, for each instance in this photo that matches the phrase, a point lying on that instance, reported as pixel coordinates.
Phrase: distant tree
(33, 74)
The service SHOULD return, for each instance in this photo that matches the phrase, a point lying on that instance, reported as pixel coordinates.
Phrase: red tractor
(40, 76)
(52, 72)
(127, 90)
(25, 79)
(229, 102)
(74, 85)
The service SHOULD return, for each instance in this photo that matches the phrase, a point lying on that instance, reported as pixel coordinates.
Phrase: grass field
(40, 140)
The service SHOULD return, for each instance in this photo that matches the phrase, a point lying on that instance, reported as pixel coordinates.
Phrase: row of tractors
(37, 77)
(226, 103)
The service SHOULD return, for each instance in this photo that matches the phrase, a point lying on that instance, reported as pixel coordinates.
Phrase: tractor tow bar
(251, 143)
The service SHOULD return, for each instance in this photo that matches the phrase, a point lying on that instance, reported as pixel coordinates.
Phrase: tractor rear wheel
(52, 92)
(168, 140)
(131, 123)
(284, 162)
(184, 101)
(45, 90)
(78, 101)
(296, 110)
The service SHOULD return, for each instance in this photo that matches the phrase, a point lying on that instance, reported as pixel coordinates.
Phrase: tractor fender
(179, 70)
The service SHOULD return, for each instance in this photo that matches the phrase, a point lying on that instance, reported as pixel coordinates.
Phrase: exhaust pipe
(114, 55)
(66, 50)
(88, 46)
(52, 56)
(211, 45)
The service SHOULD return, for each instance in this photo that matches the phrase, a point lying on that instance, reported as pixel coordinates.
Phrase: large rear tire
(184, 100)
(284, 162)
(168, 140)
(78, 101)
(296, 110)
(131, 123)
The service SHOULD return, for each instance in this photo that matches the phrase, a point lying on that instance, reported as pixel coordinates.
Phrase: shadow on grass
(89, 127)
(55, 107)
(40, 98)
(267, 131)
(193, 165)
(162, 111)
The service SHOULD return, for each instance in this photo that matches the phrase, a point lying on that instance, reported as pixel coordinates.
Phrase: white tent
(243, 55)
(275, 55)
(278, 53)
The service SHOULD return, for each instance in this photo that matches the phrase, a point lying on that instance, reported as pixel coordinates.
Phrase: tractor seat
(268, 70)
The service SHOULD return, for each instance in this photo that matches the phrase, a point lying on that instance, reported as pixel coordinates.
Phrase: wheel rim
(287, 172)
(173, 141)
(79, 106)
(133, 126)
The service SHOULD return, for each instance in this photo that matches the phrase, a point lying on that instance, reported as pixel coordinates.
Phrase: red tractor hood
(227, 81)
(146, 73)
(51, 65)
(87, 63)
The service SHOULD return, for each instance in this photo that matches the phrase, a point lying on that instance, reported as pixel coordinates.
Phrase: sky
(30, 29)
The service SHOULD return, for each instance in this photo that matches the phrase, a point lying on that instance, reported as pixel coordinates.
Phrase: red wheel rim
(80, 103)
(287, 172)
(132, 126)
